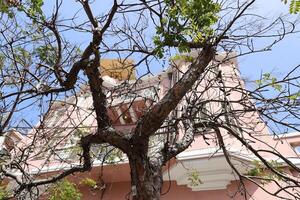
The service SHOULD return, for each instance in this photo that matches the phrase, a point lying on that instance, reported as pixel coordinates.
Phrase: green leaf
(185, 22)
(186, 58)
(46, 54)
(3, 193)
(33, 7)
(260, 170)
(64, 190)
(259, 82)
(194, 178)
(89, 182)
(268, 80)
(294, 6)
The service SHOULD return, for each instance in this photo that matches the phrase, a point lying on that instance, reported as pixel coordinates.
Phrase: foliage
(194, 178)
(31, 7)
(5, 8)
(186, 21)
(89, 182)
(46, 54)
(42, 67)
(260, 170)
(3, 193)
(64, 190)
(268, 79)
(294, 6)
(186, 58)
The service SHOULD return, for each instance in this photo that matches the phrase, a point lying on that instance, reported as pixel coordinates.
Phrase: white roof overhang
(211, 166)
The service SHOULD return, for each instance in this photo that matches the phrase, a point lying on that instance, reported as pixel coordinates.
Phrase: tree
(42, 64)
(294, 6)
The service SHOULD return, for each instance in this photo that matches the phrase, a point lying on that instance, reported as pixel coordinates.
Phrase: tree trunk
(146, 178)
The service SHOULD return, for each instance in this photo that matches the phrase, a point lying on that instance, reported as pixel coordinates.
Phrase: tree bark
(146, 178)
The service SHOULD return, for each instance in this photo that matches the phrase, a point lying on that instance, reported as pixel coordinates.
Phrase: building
(118, 69)
(200, 172)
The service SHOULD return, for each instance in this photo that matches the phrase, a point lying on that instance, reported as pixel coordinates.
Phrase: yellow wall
(118, 69)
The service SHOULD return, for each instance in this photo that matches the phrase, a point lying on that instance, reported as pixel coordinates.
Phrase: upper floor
(218, 96)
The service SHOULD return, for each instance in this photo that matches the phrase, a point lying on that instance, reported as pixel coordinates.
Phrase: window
(203, 115)
(126, 114)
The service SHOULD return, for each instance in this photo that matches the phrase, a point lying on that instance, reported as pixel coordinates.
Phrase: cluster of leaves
(268, 79)
(22, 56)
(260, 170)
(31, 7)
(6, 7)
(182, 57)
(294, 6)
(91, 183)
(3, 193)
(46, 53)
(194, 178)
(185, 21)
(294, 96)
(64, 190)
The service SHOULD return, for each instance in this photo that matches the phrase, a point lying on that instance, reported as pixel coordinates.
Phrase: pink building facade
(200, 172)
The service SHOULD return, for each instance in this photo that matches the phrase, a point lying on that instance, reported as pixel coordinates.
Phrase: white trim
(287, 135)
(204, 155)
(213, 151)
(65, 166)
(132, 114)
(120, 115)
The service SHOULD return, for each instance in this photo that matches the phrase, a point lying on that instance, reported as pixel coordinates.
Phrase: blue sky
(283, 56)
(280, 59)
